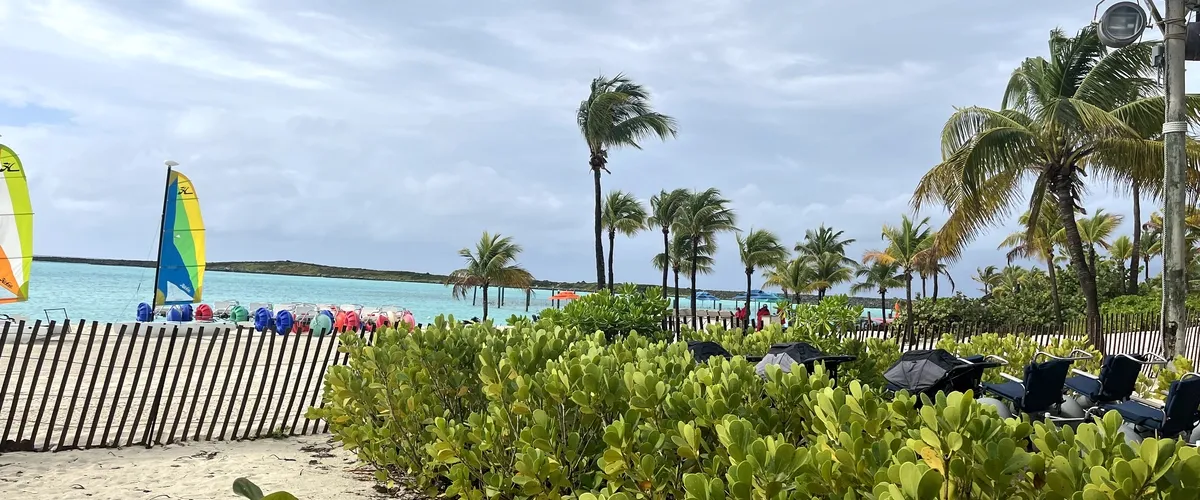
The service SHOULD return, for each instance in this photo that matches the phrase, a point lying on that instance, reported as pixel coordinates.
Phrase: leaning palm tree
(828, 270)
(758, 249)
(986, 276)
(879, 278)
(905, 244)
(705, 215)
(625, 214)
(1096, 230)
(664, 211)
(1121, 250)
(793, 276)
(1038, 244)
(1151, 248)
(493, 263)
(1079, 109)
(824, 240)
(616, 113)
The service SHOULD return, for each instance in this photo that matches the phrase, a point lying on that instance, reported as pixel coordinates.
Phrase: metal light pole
(1175, 251)
(1122, 24)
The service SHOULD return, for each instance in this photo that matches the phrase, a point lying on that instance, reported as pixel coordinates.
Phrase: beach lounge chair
(1117, 379)
(790, 354)
(1178, 416)
(1040, 392)
(931, 371)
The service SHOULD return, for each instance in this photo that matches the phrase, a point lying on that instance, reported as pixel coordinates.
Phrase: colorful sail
(16, 229)
(181, 261)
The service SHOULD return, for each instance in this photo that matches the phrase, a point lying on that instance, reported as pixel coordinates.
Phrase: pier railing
(116, 385)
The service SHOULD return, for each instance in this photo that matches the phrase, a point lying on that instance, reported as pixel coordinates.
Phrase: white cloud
(396, 133)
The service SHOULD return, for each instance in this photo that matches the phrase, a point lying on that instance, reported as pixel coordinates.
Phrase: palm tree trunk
(1137, 241)
(746, 327)
(485, 302)
(1053, 273)
(695, 310)
(676, 302)
(612, 243)
(1147, 267)
(667, 254)
(935, 286)
(883, 304)
(923, 292)
(597, 164)
(1087, 280)
(908, 319)
(820, 294)
(1092, 260)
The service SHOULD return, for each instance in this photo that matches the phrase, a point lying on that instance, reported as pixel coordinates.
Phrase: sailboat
(179, 273)
(16, 230)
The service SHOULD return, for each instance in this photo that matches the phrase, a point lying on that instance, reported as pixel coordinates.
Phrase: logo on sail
(9, 167)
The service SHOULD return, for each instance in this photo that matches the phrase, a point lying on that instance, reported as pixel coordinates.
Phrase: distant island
(289, 268)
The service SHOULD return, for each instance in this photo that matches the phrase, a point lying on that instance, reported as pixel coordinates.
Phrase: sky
(390, 135)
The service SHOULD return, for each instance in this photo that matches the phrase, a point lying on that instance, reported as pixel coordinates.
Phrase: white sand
(309, 467)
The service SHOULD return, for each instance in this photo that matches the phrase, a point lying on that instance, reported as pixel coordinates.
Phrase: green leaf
(280, 495)
(244, 487)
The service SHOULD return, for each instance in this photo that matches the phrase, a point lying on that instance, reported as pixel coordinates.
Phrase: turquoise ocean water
(112, 293)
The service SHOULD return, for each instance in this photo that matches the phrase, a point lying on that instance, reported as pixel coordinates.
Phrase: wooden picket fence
(118, 385)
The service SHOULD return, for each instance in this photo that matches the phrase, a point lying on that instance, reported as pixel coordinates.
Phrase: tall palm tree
(758, 249)
(623, 213)
(1121, 250)
(678, 257)
(931, 266)
(1151, 248)
(827, 271)
(664, 212)
(1135, 256)
(793, 276)
(879, 278)
(616, 113)
(905, 244)
(705, 215)
(1096, 230)
(1010, 280)
(986, 276)
(824, 240)
(1079, 109)
(1039, 244)
(493, 263)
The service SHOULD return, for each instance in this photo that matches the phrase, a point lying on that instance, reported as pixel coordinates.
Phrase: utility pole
(1175, 251)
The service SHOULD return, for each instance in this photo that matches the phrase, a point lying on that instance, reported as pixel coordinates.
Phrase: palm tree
(705, 214)
(1096, 230)
(905, 244)
(792, 276)
(1010, 280)
(1121, 250)
(824, 240)
(986, 276)
(678, 258)
(1151, 247)
(616, 113)
(625, 214)
(827, 271)
(758, 249)
(664, 212)
(1081, 108)
(1039, 244)
(878, 277)
(930, 265)
(493, 263)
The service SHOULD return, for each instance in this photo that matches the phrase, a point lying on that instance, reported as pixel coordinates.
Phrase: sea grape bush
(542, 411)
(621, 313)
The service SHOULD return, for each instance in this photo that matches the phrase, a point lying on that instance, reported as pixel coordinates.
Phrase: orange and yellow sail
(16, 229)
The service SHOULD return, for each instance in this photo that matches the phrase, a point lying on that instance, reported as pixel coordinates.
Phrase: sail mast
(162, 227)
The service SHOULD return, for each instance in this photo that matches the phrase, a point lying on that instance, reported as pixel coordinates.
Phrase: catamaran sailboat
(16, 232)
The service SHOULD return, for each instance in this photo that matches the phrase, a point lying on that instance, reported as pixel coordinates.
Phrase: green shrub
(621, 313)
(247, 489)
(540, 411)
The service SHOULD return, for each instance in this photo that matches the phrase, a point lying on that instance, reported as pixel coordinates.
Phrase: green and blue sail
(181, 259)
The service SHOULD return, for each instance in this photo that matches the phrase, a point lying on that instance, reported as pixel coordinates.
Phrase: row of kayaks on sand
(283, 318)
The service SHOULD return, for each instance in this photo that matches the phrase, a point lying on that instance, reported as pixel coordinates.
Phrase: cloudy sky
(390, 134)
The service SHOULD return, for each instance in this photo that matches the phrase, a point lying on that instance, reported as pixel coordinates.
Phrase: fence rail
(116, 385)
(1123, 333)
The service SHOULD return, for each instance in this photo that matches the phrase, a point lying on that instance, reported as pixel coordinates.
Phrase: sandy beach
(309, 467)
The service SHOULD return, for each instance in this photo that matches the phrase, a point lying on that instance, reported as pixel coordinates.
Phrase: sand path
(308, 467)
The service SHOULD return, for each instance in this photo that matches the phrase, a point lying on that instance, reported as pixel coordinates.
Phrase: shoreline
(307, 269)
